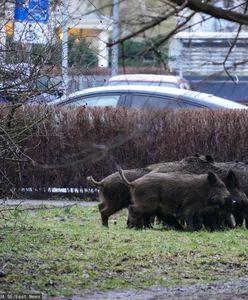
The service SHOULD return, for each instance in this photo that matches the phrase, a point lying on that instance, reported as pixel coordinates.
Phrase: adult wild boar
(240, 209)
(222, 218)
(184, 196)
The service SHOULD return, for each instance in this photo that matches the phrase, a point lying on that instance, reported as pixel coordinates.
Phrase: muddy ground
(235, 290)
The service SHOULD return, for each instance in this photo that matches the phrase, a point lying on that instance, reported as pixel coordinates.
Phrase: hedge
(72, 143)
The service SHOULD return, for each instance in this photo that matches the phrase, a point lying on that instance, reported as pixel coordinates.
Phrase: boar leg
(148, 220)
(170, 220)
(230, 221)
(106, 212)
(210, 221)
(239, 219)
(101, 206)
(173, 222)
(135, 217)
(134, 222)
(194, 223)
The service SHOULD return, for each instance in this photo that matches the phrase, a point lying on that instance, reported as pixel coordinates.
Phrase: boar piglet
(113, 194)
(184, 196)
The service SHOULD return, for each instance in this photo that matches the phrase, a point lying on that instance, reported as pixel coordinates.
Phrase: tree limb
(152, 24)
(217, 12)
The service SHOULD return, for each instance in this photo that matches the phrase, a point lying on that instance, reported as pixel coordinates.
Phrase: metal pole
(64, 54)
(115, 37)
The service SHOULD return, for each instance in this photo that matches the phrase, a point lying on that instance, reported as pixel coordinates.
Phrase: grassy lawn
(58, 251)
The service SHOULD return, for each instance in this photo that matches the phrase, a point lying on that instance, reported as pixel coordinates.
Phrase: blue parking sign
(31, 10)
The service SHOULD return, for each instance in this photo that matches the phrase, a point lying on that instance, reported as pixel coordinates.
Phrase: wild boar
(184, 196)
(240, 209)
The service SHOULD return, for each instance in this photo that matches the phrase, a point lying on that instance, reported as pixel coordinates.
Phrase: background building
(212, 54)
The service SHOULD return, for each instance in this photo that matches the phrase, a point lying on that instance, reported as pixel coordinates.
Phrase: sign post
(115, 37)
(64, 53)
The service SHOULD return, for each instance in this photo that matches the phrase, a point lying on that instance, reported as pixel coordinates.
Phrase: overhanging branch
(153, 24)
(217, 12)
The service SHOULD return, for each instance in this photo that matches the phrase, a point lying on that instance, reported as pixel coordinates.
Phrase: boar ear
(212, 178)
(232, 180)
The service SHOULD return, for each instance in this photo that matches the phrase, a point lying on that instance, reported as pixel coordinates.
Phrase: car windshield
(101, 100)
(132, 82)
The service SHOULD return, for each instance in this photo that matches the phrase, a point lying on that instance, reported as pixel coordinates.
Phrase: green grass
(59, 251)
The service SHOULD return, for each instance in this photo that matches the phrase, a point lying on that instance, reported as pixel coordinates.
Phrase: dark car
(145, 96)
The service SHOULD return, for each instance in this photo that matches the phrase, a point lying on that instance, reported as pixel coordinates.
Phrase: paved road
(57, 203)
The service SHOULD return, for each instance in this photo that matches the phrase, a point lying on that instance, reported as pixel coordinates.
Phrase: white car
(150, 79)
(145, 96)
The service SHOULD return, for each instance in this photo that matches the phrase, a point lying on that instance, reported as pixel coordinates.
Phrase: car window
(188, 104)
(155, 101)
(101, 100)
(163, 102)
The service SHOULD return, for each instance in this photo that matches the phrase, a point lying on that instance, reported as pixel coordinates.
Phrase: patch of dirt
(235, 290)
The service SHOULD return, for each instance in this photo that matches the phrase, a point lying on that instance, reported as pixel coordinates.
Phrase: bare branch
(169, 35)
(217, 12)
(154, 23)
(232, 46)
